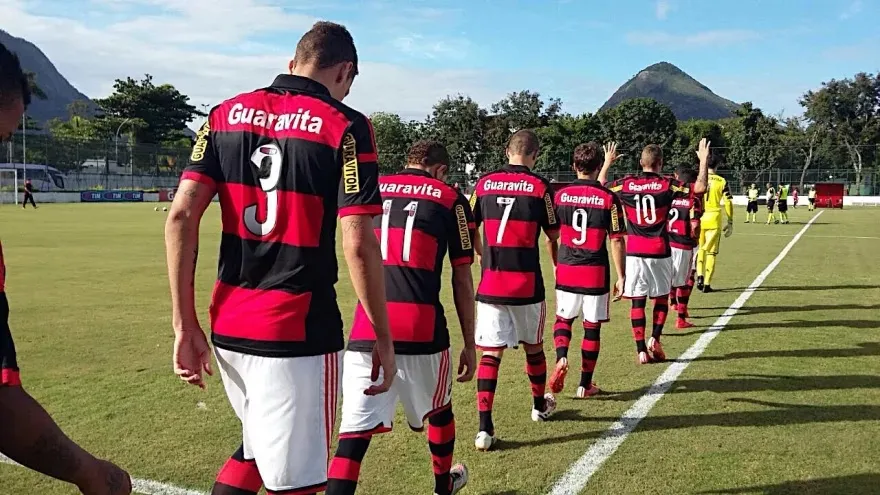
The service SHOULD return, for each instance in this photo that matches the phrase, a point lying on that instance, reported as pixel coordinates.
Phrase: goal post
(8, 185)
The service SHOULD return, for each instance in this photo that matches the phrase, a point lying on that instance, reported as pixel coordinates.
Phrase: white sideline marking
(147, 487)
(575, 479)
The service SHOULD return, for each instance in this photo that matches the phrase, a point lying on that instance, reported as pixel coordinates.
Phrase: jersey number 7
(411, 208)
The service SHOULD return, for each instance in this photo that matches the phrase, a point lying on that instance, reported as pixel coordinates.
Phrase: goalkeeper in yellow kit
(711, 225)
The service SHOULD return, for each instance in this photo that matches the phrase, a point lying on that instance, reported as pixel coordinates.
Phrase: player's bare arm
(618, 254)
(463, 295)
(192, 354)
(553, 246)
(611, 156)
(702, 183)
(364, 258)
(29, 436)
(478, 248)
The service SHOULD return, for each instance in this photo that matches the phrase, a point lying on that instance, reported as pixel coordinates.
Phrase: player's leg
(701, 259)
(289, 419)
(636, 290)
(33, 203)
(239, 476)
(596, 311)
(660, 282)
(494, 333)
(568, 306)
(529, 322)
(713, 242)
(362, 417)
(426, 393)
(681, 266)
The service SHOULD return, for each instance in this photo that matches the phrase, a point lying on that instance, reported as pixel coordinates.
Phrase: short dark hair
(427, 153)
(523, 142)
(587, 157)
(714, 162)
(13, 81)
(652, 154)
(686, 174)
(326, 45)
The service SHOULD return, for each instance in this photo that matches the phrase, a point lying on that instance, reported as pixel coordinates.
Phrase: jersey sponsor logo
(548, 205)
(350, 165)
(473, 200)
(302, 120)
(198, 152)
(410, 190)
(650, 186)
(582, 200)
(463, 232)
(615, 222)
(681, 203)
(507, 186)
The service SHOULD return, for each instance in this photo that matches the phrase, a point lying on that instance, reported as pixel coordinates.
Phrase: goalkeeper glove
(728, 231)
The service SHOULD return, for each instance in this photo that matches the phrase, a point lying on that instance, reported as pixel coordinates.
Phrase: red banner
(166, 195)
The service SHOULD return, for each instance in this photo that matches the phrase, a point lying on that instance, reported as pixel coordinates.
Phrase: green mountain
(684, 95)
(59, 91)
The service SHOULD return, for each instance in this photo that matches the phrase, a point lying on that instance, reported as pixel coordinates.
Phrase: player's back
(422, 218)
(588, 213)
(683, 210)
(647, 199)
(717, 191)
(514, 204)
(285, 160)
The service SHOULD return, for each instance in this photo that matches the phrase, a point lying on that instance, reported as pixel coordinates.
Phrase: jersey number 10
(411, 208)
(646, 209)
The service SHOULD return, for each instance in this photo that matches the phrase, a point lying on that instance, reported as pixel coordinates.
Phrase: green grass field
(785, 400)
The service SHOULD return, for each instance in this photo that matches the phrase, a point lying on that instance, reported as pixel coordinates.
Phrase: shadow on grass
(758, 310)
(781, 414)
(789, 324)
(854, 483)
(798, 288)
(505, 492)
(864, 349)
(758, 383)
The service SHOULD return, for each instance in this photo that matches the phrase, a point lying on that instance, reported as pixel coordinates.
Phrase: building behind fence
(118, 165)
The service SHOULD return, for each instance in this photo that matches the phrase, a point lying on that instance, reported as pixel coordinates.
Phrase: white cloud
(418, 45)
(172, 44)
(700, 39)
(851, 10)
(662, 9)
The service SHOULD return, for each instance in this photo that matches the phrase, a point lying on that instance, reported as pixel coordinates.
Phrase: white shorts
(594, 308)
(647, 277)
(287, 408)
(682, 264)
(423, 385)
(500, 326)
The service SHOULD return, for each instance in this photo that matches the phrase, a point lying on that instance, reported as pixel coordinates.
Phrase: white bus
(43, 177)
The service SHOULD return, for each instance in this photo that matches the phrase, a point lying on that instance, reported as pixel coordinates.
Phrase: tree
(688, 134)
(163, 109)
(458, 122)
(517, 111)
(36, 90)
(850, 108)
(754, 143)
(393, 139)
(560, 136)
(637, 123)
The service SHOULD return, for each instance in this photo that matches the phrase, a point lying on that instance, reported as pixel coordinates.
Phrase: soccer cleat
(656, 350)
(459, 476)
(557, 378)
(707, 289)
(549, 409)
(645, 358)
(682, 324)
(484, 441)
(700, 280)
(585, 393)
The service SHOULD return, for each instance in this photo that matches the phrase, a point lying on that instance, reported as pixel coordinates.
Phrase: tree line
(839, 129)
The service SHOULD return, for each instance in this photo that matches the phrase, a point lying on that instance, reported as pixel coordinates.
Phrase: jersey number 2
(411, 208)
(265, 157)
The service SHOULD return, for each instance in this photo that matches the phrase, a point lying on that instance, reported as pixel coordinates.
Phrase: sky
(416, 52)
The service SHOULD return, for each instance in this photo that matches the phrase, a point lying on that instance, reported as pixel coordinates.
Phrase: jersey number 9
(268, 160)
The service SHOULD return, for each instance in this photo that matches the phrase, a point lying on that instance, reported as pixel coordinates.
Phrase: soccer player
(589, 213)
(684, 226)
(28, 195)
(647, 198)
(28, 435)
(783, 203)
(285, 161)
(795, 196)
(710, 225)
(811, 197)
(422, 218)
(752, 207)
(513, 204)
(771, 204)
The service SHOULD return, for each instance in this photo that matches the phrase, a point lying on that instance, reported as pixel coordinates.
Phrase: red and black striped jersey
(422, 218)
(683, 212)
(514, 204)
(589, 214)
(285, 161)
(8, 365)
(646, 199)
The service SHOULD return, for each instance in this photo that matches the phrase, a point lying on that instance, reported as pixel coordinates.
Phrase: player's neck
(309, 71)
(591, 176)
(521, 161)
(649, 170)
(420, 168)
